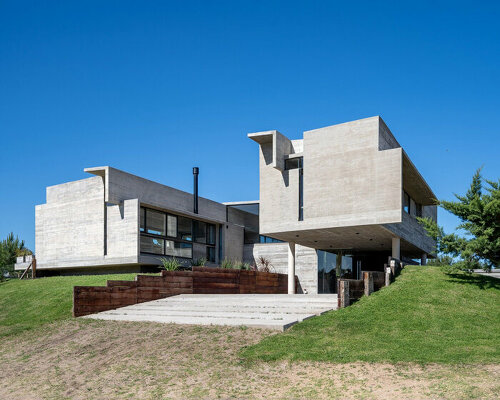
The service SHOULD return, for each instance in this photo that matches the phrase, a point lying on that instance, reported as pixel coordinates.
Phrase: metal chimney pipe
(196, 171)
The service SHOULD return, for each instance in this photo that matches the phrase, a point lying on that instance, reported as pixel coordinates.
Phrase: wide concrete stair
(268, 311)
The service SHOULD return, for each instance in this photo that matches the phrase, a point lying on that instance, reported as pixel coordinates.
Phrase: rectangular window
(152, 245)
(143, 219)
(267, 239)
(155, 222)
(406, 202)
(184, 228)
(419, 209)
(293, 163)
(210, 253)
(171, 225)
(178, 249)
(200, 231)
(210, 234)
(220, 243)
(301, 194)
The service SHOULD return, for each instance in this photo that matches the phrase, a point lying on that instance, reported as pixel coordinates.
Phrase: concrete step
(279, 325)
(240, 310)
(213, 314)
(252, 310)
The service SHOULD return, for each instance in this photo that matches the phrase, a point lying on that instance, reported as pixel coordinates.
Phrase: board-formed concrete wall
(122, 229)
(94, 222)
(306, 262)
(353, 178)
(70, 226)
(347, 180)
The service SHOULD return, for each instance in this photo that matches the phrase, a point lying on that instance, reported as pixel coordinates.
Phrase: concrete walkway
(269, 311)
(495, 273)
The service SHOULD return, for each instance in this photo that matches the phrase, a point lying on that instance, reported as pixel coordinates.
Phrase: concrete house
(342, 199)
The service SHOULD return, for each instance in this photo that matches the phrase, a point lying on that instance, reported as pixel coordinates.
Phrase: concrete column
(396, 248)
(291, 268)
(423, 260)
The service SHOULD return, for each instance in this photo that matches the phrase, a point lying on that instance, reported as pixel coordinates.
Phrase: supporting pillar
(423, 259)
(396, 243)
(291, 268)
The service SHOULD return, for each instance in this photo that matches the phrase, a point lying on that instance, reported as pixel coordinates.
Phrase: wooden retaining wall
(201, 280)
(353, 289)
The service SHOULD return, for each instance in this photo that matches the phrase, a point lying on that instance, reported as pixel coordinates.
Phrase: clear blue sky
(155, 88)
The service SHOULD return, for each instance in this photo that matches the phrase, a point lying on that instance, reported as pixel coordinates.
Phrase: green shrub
(227, 263)
(199, 262)
(170, 264)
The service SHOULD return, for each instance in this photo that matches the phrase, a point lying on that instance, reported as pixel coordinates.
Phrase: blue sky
(155, 88)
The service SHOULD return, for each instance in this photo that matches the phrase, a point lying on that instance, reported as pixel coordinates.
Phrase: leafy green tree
(10, 248)
(479, 213)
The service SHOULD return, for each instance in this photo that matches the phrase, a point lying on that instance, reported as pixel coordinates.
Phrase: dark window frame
(177, 238)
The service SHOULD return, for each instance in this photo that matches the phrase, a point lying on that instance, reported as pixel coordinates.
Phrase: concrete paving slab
(277, 312)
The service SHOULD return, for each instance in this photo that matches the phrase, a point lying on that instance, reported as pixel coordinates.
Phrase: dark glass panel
(143, 219)
(200, 231)
(151, 245)
(155, 222)
(171, 225)
(210, 234)
(210, 253)
(184, 228)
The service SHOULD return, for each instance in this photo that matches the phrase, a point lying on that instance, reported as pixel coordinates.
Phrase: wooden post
(368, 281)
(343, 293)
(387, 272)
(33, 268)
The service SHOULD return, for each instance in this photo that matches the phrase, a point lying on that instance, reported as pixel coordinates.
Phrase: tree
(10, 248)
(479, 213)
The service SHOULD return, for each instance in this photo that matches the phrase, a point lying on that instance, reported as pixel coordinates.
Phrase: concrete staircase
(269, 311)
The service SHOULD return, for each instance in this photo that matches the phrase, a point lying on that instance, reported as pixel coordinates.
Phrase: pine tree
(479, 213)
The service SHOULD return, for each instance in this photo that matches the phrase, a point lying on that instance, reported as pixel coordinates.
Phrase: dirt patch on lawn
(85, 359)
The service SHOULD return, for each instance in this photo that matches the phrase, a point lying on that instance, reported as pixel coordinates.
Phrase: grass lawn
(27, 304)
(425, 311)
(426, 316)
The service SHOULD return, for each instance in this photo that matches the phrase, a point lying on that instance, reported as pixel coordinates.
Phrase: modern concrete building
(342, 199)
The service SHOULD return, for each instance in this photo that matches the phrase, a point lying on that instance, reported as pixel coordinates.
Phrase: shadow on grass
(481, 281)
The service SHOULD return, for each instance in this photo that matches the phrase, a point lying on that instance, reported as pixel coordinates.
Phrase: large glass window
(293, 163)
(152, 245)
(406, 202)
(200, 231)
(172, 235)
(178, 249)
(184, 228)
(143, 219)
(155, 222)
(210, 234)
(211, 253)
(171, 225)
(267, 239)
(327, 282)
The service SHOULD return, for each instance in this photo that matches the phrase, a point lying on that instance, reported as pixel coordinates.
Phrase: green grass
(426, 316)
(28, 304)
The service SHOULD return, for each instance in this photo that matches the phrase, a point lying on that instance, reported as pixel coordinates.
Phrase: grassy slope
(425, 316)
(28, 304)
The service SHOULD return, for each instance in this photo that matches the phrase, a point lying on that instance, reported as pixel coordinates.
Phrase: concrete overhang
(262, 137)
(99, 171)
(415, 185)
(362, 238)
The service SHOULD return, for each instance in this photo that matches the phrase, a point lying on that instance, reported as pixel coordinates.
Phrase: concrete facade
(94, 222)
(354, 179)
(347, 189)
